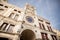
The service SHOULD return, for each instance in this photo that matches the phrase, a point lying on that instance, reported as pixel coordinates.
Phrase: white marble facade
(17, 23)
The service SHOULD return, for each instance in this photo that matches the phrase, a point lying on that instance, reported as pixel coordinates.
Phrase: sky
(48, 9)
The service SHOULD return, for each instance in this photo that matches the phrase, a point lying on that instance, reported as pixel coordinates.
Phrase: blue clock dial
(29, 19)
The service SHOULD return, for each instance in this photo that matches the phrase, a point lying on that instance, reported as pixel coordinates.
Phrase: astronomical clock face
(29, 19)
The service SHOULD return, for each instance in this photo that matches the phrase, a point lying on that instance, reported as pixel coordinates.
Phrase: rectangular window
(6, 6)
(1, 9)
(47, 23)
(11, 15)
(40, 25)
(54, 37)
(43, 27)
(40, 20)
(10, 28)
(3, 26)
(44, 36)
(49, 28)
(15, 10)
(16, 16)
(19, 11)
(1, 4)
(1, 38)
